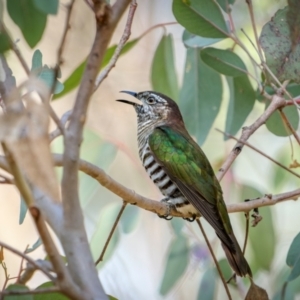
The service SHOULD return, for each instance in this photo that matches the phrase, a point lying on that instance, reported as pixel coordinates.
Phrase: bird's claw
(167, 215)
(190, 219)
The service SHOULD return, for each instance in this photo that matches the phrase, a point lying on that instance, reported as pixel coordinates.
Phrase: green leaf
(47, 6)
(129, 219)
(201, 17)
(241, 102)
(74, 79)
(34, 246)
(48, 296)
(208, 285)
(263, 248)
(200, 96)
(224, 61)
(292, 88)
(103, 228)
(163, 73)
(177, 262)
(17, 287)
(293, 19)
(44, 73)
(111, 297)
(282, 58)
(194, 41)
(28, 18)
(4, 43)
(23, 210)
(224, 4)
(293, 258)
(276, 124)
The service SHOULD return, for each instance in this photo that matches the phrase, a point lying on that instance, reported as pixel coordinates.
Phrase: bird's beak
(126, 101)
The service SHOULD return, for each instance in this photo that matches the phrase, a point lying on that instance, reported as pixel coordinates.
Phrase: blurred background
(136, 260)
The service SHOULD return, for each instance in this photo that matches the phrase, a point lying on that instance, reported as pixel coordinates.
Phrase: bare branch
(247, 132)
(29, 259)
(57, 132)
(73, 237)
(262, 153)
(111, 233)
(160, 208)
(124, 39)
(214, 259)
(289, 125)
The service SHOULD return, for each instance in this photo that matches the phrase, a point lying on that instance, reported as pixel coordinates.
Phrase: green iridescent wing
(190, 170)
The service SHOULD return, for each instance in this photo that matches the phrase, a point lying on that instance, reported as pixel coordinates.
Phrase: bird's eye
(151, 100)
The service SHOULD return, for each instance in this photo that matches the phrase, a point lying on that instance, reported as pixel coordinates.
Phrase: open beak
(126, 101)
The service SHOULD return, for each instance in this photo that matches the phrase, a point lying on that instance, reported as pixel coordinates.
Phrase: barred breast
(164, 183)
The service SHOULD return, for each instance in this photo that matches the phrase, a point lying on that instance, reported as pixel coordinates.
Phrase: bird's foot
(169, 206)
(190, 219)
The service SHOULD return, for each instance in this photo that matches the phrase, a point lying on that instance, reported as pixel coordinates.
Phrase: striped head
(155, 109)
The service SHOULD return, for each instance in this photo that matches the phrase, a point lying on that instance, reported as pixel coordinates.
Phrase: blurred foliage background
(148, 257)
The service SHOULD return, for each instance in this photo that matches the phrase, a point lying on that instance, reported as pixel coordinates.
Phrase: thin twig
(21, 265)
(246, 232)
(214, 258)
(254, 27)
(261, 153)
(289, 125)
(124, 39)
(57, 132)
(16, 49)
(248, 131)
(111, 233)
(28, 258)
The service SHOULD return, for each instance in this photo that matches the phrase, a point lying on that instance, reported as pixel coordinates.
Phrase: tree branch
(277, 102)
(73, 237)
(124, 39)
(29, 259)
(161, 208)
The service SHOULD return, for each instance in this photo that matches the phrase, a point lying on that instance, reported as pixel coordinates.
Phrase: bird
(180, 169)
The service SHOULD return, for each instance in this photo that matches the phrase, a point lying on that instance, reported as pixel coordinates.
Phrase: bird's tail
(236, 259)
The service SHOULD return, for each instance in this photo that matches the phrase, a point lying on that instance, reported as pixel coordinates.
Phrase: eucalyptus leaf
(200, 96)
(28, 18)
(225, 4)
(201, 17)
(281, 56)
(48, 296)
(44, 73)
(18, 287)
(241, 102)
(207, 287)
(23, 210)
(276, 125)
(163, 73)
(177, 262)
(34, 246)
(4, 43)
(194, 41)
(224, 61)
(294, 251)
(47, 6)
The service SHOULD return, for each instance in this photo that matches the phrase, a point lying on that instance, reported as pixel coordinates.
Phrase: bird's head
(154, 106)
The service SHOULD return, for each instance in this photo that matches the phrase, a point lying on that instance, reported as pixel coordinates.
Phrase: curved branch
(161, 208)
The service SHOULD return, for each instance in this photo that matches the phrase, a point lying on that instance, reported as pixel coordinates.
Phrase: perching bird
(180, 169)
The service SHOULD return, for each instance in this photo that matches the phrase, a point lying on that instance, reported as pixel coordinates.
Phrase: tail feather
(236, 258)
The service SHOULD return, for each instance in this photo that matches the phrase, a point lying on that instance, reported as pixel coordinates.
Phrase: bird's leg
(169, 206)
